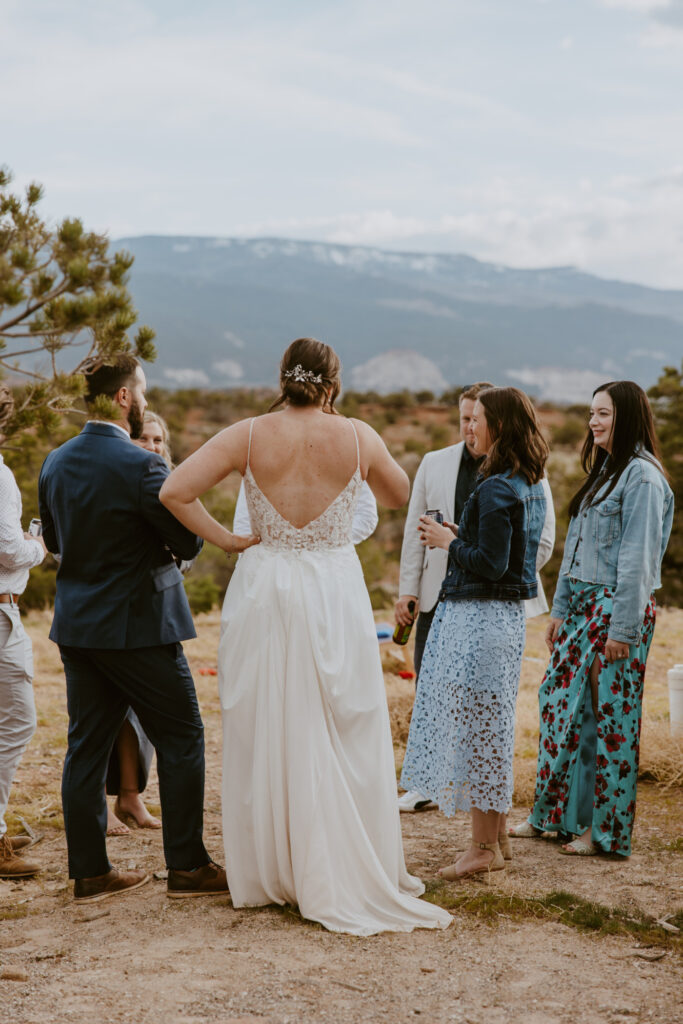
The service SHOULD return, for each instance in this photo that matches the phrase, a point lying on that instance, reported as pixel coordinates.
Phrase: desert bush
(203, 593)
(439, 435)
(570, 433)
(667, 403)
(424, 397)
(398, 400)
(413, 445)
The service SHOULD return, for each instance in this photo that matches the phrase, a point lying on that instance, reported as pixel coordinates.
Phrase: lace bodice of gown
(331, 529)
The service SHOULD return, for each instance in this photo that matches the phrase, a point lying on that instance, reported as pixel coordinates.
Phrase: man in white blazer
(444, 480)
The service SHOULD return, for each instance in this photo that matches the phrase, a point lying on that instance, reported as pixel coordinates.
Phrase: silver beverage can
(436, 514)
(35, 528)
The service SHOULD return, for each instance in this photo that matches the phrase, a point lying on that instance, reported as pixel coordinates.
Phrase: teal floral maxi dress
(587, 768)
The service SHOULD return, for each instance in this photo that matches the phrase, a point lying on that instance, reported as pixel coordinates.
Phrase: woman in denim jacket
(600, 630)
(462, 730)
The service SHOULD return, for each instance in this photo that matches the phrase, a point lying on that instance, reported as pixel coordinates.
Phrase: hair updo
(309, 358)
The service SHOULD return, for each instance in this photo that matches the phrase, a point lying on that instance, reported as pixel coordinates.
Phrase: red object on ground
(208, 671)
(405, 674)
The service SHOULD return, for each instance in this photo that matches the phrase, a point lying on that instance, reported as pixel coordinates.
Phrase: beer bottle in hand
(401, 633)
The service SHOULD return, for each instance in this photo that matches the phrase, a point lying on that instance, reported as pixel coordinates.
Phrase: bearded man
(120, 616)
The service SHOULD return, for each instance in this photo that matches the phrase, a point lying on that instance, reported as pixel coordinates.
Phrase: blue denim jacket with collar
(619, 543)
(494, 554)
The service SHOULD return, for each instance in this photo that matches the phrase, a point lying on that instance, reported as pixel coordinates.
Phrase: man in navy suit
(120, 616)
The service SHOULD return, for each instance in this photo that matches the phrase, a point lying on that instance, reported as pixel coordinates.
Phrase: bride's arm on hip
(388, 482)
(225, 452)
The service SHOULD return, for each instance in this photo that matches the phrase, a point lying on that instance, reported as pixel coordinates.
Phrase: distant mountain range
(225, 308)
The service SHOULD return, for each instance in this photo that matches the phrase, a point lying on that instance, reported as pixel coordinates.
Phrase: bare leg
(129, 800)
(485, 828)
(115, 827)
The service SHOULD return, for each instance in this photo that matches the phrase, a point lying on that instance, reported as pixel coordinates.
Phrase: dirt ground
(147, 959)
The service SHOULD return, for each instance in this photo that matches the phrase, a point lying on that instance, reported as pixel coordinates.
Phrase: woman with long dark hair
(462, 731)
(601, 627)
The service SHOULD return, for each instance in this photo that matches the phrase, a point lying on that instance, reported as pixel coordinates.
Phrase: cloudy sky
(525, 132)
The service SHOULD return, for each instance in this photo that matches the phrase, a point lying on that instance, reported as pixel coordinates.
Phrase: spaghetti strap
(251, 427)
(355, 434)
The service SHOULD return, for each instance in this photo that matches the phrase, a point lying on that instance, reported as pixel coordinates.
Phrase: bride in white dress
(309, 788)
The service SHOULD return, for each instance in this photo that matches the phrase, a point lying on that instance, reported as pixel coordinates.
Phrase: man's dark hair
(108, 379)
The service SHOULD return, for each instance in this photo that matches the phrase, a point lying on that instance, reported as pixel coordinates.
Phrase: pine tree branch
(24, 373)
(25, 352)
(47, 333)
(30, 310)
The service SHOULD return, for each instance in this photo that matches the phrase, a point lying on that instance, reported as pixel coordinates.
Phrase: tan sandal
(497, 863)
(505, 847)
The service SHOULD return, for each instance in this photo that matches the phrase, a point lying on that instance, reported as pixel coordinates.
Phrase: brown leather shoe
(12, 866)
(101, 887)
(209, 880)
(19, 842)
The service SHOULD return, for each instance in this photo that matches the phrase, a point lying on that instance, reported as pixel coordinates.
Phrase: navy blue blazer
(117, 584)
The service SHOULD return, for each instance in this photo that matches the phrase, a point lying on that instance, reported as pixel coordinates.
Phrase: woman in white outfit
(309, 797)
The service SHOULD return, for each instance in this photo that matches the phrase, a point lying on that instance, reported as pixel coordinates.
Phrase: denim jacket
(494, 554)
(619, 543)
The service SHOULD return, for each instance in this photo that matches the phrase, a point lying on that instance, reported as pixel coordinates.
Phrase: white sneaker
(414, 801)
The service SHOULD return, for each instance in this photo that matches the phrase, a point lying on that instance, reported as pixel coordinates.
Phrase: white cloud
(643, 6)
(658, 36)
(378, 124)
(229, 368)
(234, 339)
(187, 378)
(625, 227)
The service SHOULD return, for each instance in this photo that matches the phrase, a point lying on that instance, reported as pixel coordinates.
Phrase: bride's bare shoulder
(365, 432)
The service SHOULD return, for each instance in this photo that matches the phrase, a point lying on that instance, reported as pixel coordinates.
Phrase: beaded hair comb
(304, 376)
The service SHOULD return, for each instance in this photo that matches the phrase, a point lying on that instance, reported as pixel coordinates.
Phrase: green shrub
(570, 433)
(413, 445)
(203, 593)
(439, 435)
(41, 587)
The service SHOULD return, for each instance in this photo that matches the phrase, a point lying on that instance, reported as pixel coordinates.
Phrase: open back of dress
(310, 815)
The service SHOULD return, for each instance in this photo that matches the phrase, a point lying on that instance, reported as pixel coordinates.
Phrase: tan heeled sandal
(505, 845)
(497, 863)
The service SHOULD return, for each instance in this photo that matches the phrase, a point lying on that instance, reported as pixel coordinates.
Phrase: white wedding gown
(310, 815)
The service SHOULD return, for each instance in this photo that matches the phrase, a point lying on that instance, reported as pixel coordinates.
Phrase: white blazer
(422, 570)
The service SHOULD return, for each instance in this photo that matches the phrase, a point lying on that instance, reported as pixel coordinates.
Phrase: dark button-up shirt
(467, 478)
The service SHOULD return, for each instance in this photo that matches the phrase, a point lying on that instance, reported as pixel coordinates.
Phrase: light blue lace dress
(462, 731)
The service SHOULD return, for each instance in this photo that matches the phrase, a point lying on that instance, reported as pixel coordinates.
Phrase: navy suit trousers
(156, 682)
